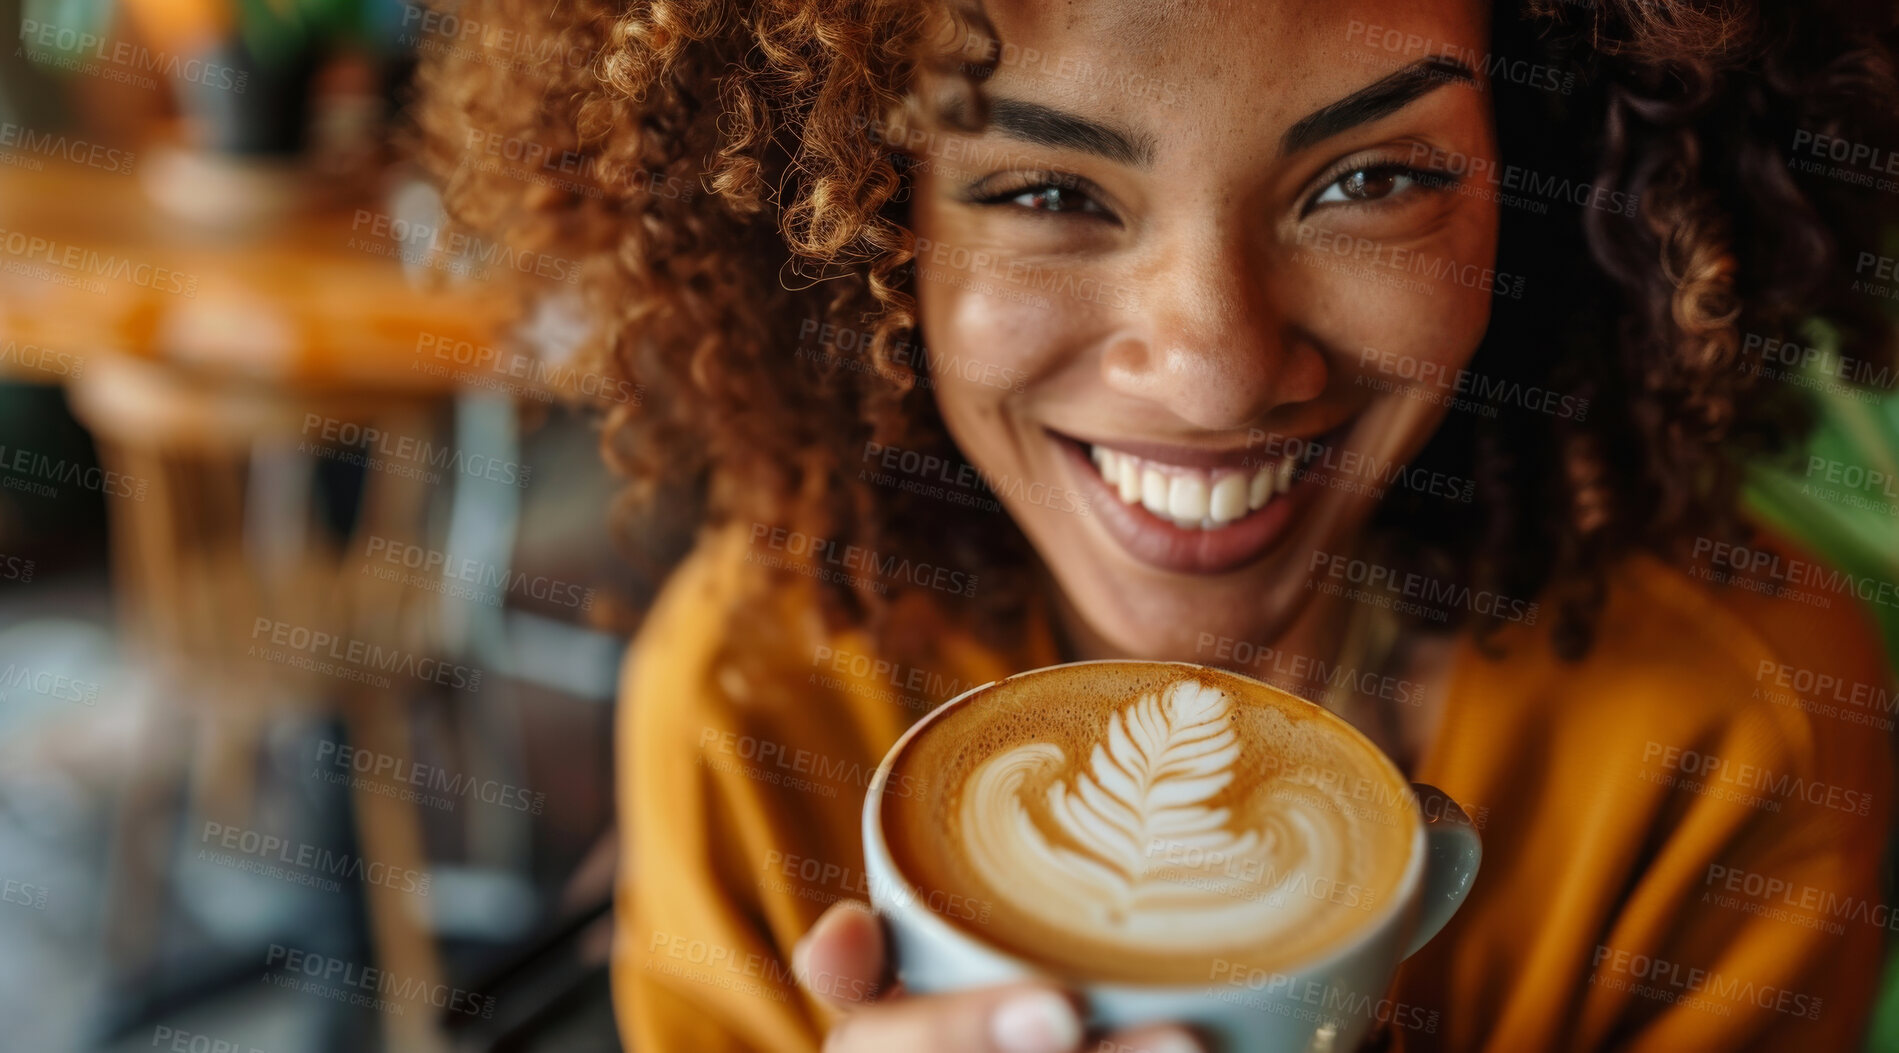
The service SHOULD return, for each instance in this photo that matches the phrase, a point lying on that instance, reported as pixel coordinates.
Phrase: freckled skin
(1198, 300)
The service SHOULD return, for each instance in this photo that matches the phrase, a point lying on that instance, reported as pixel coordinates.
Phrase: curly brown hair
(741, 217)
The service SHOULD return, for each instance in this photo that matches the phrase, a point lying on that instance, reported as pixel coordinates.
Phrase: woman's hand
(841, 961)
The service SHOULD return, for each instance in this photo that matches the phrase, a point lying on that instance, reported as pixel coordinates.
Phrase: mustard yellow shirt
(1682, 831)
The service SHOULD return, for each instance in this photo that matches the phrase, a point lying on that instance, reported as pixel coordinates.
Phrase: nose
(1211, 340)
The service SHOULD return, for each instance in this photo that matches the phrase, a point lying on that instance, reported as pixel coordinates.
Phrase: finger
(1018, 1019)
(841, 960)
(1163, 1039)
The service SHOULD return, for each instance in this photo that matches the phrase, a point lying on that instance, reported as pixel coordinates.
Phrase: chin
(1130, 613)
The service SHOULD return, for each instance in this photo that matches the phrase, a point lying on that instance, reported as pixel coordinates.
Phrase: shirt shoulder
(1680, 663)
(749, 730)
(1711, 732)
(734, 776)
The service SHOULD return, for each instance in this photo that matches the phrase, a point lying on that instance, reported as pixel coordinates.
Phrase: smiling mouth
(1191, 509)
(1197, 498)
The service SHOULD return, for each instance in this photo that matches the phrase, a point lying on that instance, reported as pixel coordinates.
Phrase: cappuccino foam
(1136, 822)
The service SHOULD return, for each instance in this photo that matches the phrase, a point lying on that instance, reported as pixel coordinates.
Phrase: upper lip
(1245, 456)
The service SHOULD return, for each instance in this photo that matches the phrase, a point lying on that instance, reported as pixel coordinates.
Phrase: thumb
(842, 959)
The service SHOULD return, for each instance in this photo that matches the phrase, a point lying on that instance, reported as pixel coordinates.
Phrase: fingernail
(798, 951)
(1037, 1022)
(1173, 1042)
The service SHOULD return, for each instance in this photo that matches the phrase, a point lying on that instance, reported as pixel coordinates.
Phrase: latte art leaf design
(1132, 843)
(1166, 757)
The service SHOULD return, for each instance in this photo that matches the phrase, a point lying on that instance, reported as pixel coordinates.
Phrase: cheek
(971, 369)
(989, 316)
(991, 344)
(985, 340)
(1398, 315)
(984, 356)
(1421, 334)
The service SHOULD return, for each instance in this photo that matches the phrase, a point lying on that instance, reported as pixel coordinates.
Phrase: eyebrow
(1045, 126)
(1040, 125)
(1386, 96)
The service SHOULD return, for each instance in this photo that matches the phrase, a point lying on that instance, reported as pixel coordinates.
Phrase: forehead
(1180, 63)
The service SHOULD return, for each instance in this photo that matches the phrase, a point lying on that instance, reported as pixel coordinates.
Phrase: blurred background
(306, 592)
(308, 606)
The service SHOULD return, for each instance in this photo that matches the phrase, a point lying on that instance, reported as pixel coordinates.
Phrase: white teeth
(1128, 477)
(1192, 498)
(1229, 499)
(1260, 489)
(1187, 497)
(1154, 491)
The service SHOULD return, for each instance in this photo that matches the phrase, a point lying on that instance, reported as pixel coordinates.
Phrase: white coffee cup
(1328, 1002)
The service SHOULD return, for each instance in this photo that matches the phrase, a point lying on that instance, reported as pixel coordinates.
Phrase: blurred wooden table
(89, 265)
(191, 354)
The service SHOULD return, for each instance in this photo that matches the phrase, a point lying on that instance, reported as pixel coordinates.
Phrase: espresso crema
(1137, 822)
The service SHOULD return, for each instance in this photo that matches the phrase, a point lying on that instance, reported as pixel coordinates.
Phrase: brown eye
(1368, 185)
(1376, 183)
(1048, 193)
(1054, 199)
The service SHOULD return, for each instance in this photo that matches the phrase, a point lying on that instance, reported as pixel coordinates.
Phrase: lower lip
(1159, 543)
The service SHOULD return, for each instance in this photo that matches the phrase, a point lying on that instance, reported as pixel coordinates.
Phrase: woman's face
(1176, 291)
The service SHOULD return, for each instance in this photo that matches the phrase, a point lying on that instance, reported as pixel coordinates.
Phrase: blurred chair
(200, 389)
(223, 542)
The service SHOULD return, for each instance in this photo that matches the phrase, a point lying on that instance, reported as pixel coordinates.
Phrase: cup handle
(1453, 853)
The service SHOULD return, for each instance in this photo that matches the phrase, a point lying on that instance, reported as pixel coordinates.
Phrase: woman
(1401, 355)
